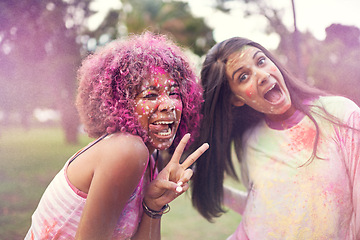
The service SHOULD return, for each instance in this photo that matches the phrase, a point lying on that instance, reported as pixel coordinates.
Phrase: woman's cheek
(249, 91)
(178, 110)
(144, 107)
(178, 106)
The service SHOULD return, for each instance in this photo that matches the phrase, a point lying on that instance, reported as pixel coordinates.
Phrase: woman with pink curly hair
(136, 96)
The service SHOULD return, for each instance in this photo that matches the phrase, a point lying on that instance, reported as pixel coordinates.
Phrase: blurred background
(42, 43)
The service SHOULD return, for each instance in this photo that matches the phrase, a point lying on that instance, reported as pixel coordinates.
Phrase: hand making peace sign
(171, 182)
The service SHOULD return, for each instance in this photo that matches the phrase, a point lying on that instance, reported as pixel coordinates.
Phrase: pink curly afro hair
(109, 81)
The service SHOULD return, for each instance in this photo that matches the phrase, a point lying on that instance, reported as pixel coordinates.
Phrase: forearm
(235, 199)
(149, 228)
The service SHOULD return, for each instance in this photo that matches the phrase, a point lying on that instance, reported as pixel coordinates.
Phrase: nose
(166, 104)
(263, 77)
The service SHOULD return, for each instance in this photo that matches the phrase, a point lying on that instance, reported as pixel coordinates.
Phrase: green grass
(30, 159)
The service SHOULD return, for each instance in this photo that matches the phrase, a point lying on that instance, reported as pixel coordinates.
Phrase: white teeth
(271, 88)
(168, 132)
(163, 122)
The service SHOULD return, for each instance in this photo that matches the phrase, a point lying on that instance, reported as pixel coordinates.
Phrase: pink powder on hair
(157, 70)
(109, 81)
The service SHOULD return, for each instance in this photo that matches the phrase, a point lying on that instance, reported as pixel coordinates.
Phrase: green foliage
(333, 63)
(167, 17)
(30, 159)
(42, 43)
(40, 39)
(39, 53)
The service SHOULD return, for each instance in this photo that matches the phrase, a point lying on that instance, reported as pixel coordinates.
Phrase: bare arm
(116, 175)
(235, 199)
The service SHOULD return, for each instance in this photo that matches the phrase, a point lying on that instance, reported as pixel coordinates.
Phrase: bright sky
(311, 15)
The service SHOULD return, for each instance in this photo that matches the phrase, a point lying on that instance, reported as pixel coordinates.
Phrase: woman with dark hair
(136, 96)
(298, 148)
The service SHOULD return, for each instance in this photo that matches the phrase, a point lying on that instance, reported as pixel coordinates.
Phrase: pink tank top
(58, 213)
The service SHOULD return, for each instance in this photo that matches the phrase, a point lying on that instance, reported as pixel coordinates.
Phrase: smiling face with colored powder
(256, 81)
(111, 79)
(158, 107)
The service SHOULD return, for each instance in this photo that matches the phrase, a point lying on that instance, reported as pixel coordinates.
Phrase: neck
(287, 123)
(281, 117)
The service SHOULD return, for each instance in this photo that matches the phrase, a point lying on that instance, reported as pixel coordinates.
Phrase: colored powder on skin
(235, 60)
(249, 92)
(242, 50)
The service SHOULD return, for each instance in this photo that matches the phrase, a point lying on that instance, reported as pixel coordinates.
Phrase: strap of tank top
(88, 146)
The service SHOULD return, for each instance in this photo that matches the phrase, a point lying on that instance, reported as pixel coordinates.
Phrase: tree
(41, 43)
(330, 64)
(171, 17)
(334, 63)
(291, 46)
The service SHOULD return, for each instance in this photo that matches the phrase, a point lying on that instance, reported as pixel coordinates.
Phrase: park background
(42, 44)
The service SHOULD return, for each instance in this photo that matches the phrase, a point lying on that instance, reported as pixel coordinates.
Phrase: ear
(237, 101)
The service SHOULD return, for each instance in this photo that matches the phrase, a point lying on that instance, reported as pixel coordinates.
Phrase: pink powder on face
(157, 71)
(273, 69)
(178, 106)
(249, 92)
(126, 63)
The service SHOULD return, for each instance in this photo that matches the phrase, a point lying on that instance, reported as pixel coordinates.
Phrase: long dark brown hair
(223, 123)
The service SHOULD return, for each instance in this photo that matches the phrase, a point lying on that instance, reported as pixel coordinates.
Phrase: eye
(243, 77)
(261, 61)
(175, 91)
(175, 94)
(150, 95)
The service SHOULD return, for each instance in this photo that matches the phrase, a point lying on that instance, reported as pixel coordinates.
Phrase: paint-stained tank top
(59, 211)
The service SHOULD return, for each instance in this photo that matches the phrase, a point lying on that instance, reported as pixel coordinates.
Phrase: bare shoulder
(116, 158)
(126, 144)
(119, 161)
(121, 149)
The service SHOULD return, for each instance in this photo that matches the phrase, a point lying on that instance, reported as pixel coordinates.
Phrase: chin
(161, 144)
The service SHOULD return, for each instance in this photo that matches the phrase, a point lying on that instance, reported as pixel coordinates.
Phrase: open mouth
(274, 94)
(162, 128)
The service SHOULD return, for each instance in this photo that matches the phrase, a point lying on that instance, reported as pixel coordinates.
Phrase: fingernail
(179, 189)
(180, 183)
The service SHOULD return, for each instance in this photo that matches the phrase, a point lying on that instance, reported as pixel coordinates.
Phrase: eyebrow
(175, 85)
(256, 53)
(232, 77)
(142, 89)
(254, 56)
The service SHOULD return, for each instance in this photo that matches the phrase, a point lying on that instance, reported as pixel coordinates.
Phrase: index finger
(195, 155)
(180, 148)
